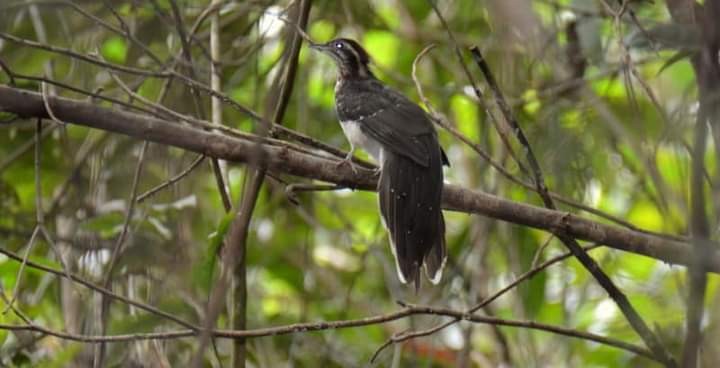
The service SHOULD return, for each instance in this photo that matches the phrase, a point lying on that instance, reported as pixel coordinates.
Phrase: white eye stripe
(355, 54)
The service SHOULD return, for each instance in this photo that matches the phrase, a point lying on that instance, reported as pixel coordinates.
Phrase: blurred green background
(607, 136)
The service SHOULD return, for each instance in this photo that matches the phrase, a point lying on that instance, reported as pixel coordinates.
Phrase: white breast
(359, 139)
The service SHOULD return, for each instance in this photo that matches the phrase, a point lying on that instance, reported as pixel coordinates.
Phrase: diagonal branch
(633, 317)
(234, 259)
(295, 162)
(706, 66)
(443, 122)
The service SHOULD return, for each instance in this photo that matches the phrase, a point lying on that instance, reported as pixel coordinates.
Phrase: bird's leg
(348, 160)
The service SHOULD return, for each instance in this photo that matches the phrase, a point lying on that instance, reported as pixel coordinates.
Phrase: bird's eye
(338, 45)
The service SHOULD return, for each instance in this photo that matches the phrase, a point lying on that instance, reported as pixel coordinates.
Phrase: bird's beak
(319, 47)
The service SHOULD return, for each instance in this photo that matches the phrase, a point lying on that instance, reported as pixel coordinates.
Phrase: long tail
(410, 197)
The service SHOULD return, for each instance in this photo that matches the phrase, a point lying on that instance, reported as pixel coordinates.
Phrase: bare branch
(97, 288)
(442, 121)
(633, 317)
(172, 180)
(409, 310)
(288, 160)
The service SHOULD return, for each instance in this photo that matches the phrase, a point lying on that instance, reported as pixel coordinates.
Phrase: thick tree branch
(285, 159)
(707, 74)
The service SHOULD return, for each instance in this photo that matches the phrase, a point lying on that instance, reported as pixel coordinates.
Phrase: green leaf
(646, 216)
(532, 103)
(465, 114)
(674, 164)
(638, 267)
(320, 91)
(610, 87)
(205, 271)
(115, 49)
(532, 291)
(322, 30)
(61, 357)
(385, 41)
(280, 296)
(107, 225)
(389, 15)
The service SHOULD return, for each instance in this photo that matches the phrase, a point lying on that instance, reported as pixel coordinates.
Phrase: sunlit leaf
(611, 88)
(107, 224)
(388, 14)
(532, 103)
(115, 49)
(673, 164)
(62, 357)
(322, 30)
(383, 47)
(280, 296)
(204, 273)
(646, 216)
(465, 114)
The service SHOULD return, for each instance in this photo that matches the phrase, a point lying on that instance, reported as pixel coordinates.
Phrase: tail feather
(436, 258)
(410, 197)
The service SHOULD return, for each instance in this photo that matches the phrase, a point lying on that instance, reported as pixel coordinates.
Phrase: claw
(348, 161)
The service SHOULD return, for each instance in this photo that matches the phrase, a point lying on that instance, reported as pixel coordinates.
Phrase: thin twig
(23, 148)
(234, 259)
(99, 349)
(18, 278)
(633, 317)
(9, 73)
(128, 217)
(223, 189)
(408, 335)
(10, 306)
(408, 310)
(700, 231)
(292, 190)
(92, 95)
(442, 121)
(78, 163)
(84, 57)
(97, 288)
(237, 354)
(707, 74)
(297, 28)
(456, 47)
(39, 213)
(277, 130)
(172, 180)
(44, 94)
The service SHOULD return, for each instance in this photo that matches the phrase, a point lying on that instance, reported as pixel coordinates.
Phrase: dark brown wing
(410, 198)
(387, 117)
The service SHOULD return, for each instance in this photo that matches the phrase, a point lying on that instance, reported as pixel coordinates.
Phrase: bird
(399, 135)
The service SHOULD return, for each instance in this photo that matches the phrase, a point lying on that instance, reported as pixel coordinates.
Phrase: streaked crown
(352, 60)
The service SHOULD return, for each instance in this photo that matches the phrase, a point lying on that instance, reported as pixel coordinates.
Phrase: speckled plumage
(401, 138)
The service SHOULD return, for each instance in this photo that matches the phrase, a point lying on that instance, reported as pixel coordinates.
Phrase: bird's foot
(347, 161)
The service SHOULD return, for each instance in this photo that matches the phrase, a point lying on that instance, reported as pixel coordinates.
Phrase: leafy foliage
(601, 139)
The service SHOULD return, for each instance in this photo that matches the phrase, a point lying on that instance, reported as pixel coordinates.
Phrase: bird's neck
(353, 71)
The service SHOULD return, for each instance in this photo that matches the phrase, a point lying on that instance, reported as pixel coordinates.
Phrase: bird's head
(352, 60)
